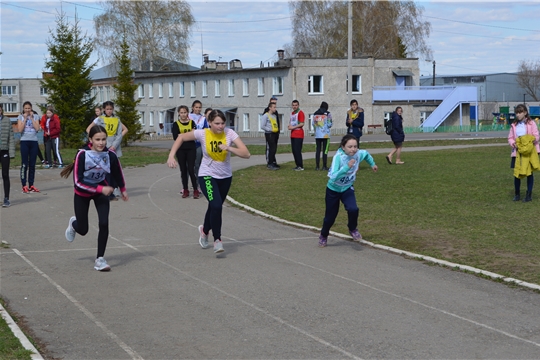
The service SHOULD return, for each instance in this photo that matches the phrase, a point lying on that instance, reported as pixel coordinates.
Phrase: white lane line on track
(85, 311)
(251, 305)
(476, 323)
(398, 296)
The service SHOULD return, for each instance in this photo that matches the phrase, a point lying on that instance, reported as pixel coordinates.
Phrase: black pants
(296, 145)
(215, 191)
(82, 205)
(5, 160)
(332, 200)
(271, 147)
(322, 144)
(186, 161)
(52, 151)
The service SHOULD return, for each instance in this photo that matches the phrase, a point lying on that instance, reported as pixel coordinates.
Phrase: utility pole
(349, 53)
(433, 73)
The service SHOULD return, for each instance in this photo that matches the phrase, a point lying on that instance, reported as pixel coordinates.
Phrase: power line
(42, 11)
(486, 36)
(245, 31)
(476, 24)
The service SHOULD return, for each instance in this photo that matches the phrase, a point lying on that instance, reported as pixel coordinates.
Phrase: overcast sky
(467, 37)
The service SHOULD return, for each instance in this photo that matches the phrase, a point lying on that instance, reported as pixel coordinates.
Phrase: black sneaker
(6, 203)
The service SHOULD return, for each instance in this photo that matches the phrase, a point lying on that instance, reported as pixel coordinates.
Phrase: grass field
(454, 205)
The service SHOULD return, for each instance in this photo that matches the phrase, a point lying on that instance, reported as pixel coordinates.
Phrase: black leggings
(82, 205)
(215, 191)
(530, 183)
(186, 160)
(322, 144)
(4, 157)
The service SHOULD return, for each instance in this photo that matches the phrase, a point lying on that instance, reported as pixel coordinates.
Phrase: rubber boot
(517, 197)
(528, 196)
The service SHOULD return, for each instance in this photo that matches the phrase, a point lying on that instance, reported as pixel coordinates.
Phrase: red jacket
(54, 126)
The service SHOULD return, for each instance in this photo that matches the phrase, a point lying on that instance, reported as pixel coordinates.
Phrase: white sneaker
(218, 247)
(101, 265)
(203, 238)
(70, 231)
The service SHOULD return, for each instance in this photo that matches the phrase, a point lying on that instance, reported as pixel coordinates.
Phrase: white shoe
(203, 238)
(101, 265)
(218, 247)
(70, 231)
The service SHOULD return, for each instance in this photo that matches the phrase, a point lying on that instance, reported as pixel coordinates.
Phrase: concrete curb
(19, 334)
(430, 259)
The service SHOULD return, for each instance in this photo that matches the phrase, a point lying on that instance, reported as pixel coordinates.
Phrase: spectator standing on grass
(296, 126)
(7, 152)
(28, 125)
(269, 123)
(215, 174)
(397, 135)
(523, 138)
(322, 122)
(355, 120)
(275, 135)
(341, 176)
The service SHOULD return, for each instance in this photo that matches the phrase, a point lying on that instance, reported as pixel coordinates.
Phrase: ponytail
(67, 171)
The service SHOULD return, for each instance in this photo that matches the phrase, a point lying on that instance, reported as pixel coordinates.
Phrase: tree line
(141, 34)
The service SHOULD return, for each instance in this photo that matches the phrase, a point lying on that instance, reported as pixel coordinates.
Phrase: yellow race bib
(184, 128)
(111, 125)
(212, 145)
(273, 122)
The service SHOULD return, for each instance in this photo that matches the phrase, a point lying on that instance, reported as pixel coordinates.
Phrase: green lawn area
(454, 205)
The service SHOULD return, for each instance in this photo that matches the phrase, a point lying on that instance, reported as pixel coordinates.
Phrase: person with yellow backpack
(186, 154)
(115, 132)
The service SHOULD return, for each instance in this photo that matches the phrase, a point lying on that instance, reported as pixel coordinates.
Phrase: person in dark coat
(397, 135)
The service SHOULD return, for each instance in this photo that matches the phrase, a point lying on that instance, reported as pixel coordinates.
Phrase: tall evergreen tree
(69, 85)
(125, 106)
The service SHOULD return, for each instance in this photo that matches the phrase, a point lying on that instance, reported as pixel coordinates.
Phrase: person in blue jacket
(322, 122)
(397, 135)
(340, 187)
(355, 120)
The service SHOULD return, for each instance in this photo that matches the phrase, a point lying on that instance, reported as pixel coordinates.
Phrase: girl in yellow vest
(215, 173)
(185, 155)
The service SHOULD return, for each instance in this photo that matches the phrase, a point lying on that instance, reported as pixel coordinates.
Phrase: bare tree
(380, 28)
(528, 77)
(154, 30)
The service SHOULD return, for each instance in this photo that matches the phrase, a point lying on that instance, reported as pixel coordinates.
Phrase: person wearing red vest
(50, 123)
(296, 126)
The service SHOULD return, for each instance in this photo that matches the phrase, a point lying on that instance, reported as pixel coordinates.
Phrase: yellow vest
(111, 125)
(212, 145)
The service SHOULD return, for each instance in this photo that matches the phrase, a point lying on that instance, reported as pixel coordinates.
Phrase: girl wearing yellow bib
(186, 153)
(215, 173)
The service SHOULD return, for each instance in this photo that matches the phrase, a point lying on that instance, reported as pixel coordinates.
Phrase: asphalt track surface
(273, 294)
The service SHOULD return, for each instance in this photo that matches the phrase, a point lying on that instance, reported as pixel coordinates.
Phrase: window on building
(101, 94)
(192, 94)
(278, 86)
(108, 92)
(217, 90)
(151, 118)
(315, 84)
(181, 89)
(246, 122)
(151, 90)
(10, 107)
(231, 87)
(161, 117)
(9, 90)
(171, 90)
(141, 117)
(43, 91)
(141, 90)
(259, 122)
(160, 90)
(245, 87)
(356, 85)
(205, 88)
(260, 87)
